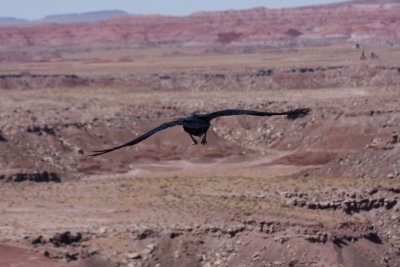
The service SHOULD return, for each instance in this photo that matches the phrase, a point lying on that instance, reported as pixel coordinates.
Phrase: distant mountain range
(67, 18)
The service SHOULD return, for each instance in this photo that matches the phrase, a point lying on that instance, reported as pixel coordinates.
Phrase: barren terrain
(322, 190)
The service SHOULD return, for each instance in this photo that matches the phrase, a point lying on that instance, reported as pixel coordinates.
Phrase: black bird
(198, 124)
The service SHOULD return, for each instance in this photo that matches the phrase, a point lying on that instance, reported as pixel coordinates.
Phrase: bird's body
(196, 130)
(198, 124)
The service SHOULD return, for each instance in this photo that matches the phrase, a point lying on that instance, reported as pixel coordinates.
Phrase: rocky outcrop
(146, 233)
(37, 177)
(41, 130)
(59, 239)
(33, 81)
(66, 238)
(64, 246)
(27, 80)
(349, 203)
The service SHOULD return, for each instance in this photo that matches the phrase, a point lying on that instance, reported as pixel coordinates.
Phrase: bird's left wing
(231, 112)
(138, 139)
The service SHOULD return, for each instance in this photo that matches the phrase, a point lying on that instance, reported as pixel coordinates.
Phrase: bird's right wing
(138, 139)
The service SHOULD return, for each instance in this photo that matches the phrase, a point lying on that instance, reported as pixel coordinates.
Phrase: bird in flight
(198, 125)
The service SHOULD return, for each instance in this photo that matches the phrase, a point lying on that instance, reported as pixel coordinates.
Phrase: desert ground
(317, 191)
(321, 190)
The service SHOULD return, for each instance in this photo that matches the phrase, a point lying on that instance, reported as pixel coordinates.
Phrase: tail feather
(298, 113)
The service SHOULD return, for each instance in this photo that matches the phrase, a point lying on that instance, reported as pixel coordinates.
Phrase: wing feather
(138, 139)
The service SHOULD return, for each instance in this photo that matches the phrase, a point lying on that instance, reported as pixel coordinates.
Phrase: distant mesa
(12, 21)
(67, 18)
(84, 17)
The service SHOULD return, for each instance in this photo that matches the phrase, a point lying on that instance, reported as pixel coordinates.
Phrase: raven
(198, 125)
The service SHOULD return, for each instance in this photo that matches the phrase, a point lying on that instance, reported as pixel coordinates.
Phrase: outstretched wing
(138, 139)
(291, 114)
